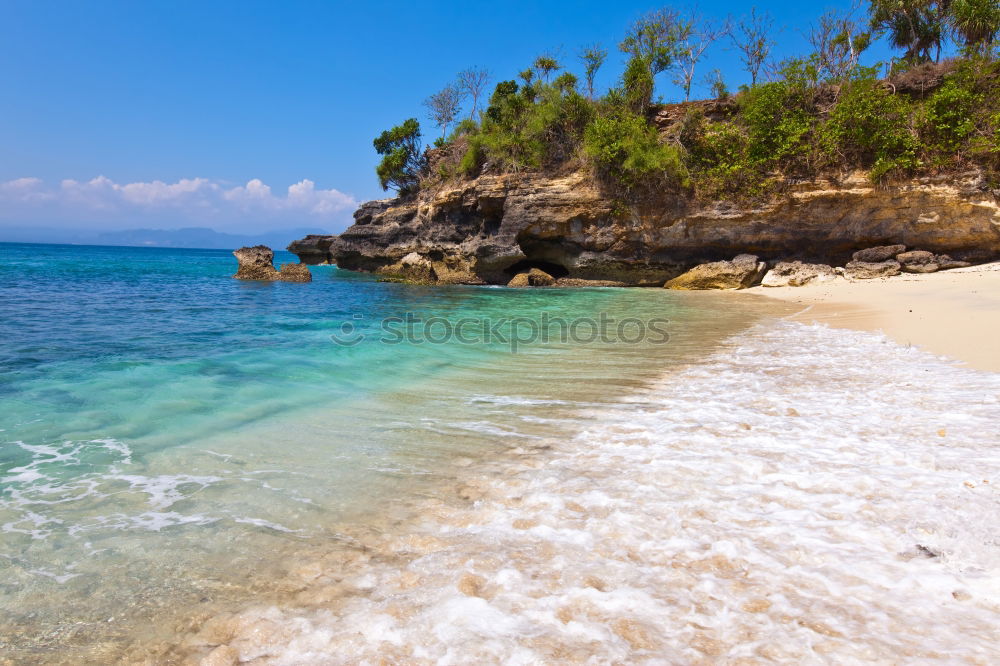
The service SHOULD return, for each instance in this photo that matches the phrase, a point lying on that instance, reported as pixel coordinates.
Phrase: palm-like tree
(917, 26)
(976, 22)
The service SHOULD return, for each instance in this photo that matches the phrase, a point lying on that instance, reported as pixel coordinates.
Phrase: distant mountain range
(190, 237)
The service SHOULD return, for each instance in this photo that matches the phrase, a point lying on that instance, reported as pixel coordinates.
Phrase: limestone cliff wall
(485, 230)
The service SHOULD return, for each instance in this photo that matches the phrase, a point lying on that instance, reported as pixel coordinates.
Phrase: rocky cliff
(487, 230)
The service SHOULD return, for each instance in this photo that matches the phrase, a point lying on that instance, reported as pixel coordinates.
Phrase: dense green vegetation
(823, 113)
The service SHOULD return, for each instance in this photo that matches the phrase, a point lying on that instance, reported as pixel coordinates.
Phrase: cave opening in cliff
(525, 265)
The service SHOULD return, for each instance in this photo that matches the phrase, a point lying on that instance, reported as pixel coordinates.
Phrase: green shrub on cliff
(628, 150)
(532, 126)
(719, 157)
(778, 117)
(872, 128)
(948, 117)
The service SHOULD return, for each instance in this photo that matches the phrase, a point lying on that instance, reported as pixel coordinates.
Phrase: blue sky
(205, 113)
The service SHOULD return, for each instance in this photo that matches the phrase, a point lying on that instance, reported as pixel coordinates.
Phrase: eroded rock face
(257, 263)
(869, 270)
(313, 249)
(474, 232)
(743, 271)
(797, 274)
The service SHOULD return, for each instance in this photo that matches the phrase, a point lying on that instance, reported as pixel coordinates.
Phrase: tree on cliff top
(976, 23)
(592, 57)
(694, 35)
(915, 25)
(752, 39)
(402, 158)
(444, 106)
(472, 82)
(652, 40)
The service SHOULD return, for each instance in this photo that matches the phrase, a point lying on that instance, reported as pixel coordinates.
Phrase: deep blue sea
(168, 435)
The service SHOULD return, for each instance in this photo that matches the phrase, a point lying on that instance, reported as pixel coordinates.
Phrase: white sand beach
(953, 313)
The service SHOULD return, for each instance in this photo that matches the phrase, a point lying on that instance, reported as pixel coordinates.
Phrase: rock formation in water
(490, 229)
(257, 263)
(533, 278)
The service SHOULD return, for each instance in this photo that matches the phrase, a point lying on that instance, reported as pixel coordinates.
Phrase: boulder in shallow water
(536, 277)
(743, 271)
(255, 263)
(876, 255)
(869, 270)
(797, 274)
(294, 273)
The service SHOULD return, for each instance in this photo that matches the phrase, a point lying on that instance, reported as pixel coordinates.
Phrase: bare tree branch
(752, 39)
(471, 83)
(694, 36)
(444, 106)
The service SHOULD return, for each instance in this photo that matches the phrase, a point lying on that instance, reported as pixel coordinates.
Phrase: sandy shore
(953, 313)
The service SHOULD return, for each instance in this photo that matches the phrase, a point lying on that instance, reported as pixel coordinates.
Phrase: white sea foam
(165, 490)
(260, 522)
(804, 496)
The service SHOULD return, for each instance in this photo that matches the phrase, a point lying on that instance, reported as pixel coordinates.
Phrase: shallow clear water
(802, 495)
(170, 438)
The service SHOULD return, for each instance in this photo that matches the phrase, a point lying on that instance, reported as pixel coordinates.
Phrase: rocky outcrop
(869, 270)
(797, 274)
(488, 230)
(918, 261)
(946, 263)
(294, 273)
(313, 249)
(921, 261)
(743, 271)
(257, 263)
(533, 278)
(874, 255)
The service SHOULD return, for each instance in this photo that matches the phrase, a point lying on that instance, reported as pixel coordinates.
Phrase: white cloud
(24, 190)
(254, 190)
(189, 199)
(302, 196)
(319, 202)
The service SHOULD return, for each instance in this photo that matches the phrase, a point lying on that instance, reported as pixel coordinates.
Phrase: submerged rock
(797, 274)
(535, 277)
(257, 263)
(876, 255)
(743, 271)
(869, 270)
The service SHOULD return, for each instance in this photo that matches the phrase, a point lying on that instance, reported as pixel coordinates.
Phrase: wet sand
(953, 313)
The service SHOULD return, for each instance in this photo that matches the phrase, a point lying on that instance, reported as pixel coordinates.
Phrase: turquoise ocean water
(170, 437)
